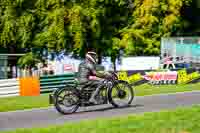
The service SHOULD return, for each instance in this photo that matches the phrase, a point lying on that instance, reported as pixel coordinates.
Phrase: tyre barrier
(34, 86)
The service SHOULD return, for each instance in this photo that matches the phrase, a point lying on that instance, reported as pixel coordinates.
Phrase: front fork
(52, 96)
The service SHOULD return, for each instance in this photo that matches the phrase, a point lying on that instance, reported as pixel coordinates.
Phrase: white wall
(139, 63)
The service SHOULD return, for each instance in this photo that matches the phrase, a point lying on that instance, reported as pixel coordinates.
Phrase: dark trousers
(91, 84)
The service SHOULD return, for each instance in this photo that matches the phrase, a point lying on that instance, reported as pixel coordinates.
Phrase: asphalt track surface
(49, 116)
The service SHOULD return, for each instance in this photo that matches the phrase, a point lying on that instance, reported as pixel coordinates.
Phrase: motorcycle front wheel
(121, 94)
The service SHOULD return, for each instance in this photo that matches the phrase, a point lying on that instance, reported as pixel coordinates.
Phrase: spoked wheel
(121, 94)
(67, 100)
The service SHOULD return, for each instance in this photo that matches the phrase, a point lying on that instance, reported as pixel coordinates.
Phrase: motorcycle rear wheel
(67, 100)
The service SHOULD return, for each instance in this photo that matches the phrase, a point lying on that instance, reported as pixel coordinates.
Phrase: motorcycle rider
(88, 75)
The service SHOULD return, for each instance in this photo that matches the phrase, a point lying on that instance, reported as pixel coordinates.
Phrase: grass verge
(182, 120)
(23, 102)
(20, 103)
(147, 89)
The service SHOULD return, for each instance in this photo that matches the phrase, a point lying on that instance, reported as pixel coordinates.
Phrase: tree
(152, 19)
(137, 26)
(32, 24)
(95, 23)
(78, 25)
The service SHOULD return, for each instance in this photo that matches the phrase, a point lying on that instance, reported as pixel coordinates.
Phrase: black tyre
(67, 100)
(121, 89)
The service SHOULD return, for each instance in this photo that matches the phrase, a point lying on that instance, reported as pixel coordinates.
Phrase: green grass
(182, 120)
(163, 89)
(20, 103)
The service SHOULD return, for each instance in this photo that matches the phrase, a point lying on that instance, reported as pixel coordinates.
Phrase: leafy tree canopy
(78, 25)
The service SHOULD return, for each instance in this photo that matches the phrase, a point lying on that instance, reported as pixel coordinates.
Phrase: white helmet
(92, 56)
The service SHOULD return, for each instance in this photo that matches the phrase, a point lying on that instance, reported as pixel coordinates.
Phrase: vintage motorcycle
(112, 90)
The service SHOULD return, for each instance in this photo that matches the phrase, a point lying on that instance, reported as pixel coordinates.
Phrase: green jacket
(87, 69)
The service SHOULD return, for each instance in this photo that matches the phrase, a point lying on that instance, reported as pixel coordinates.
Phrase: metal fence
(9, 87)
(49, 83)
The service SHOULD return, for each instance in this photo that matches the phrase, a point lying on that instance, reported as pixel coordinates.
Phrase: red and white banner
(68, 67)
(161, 76)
